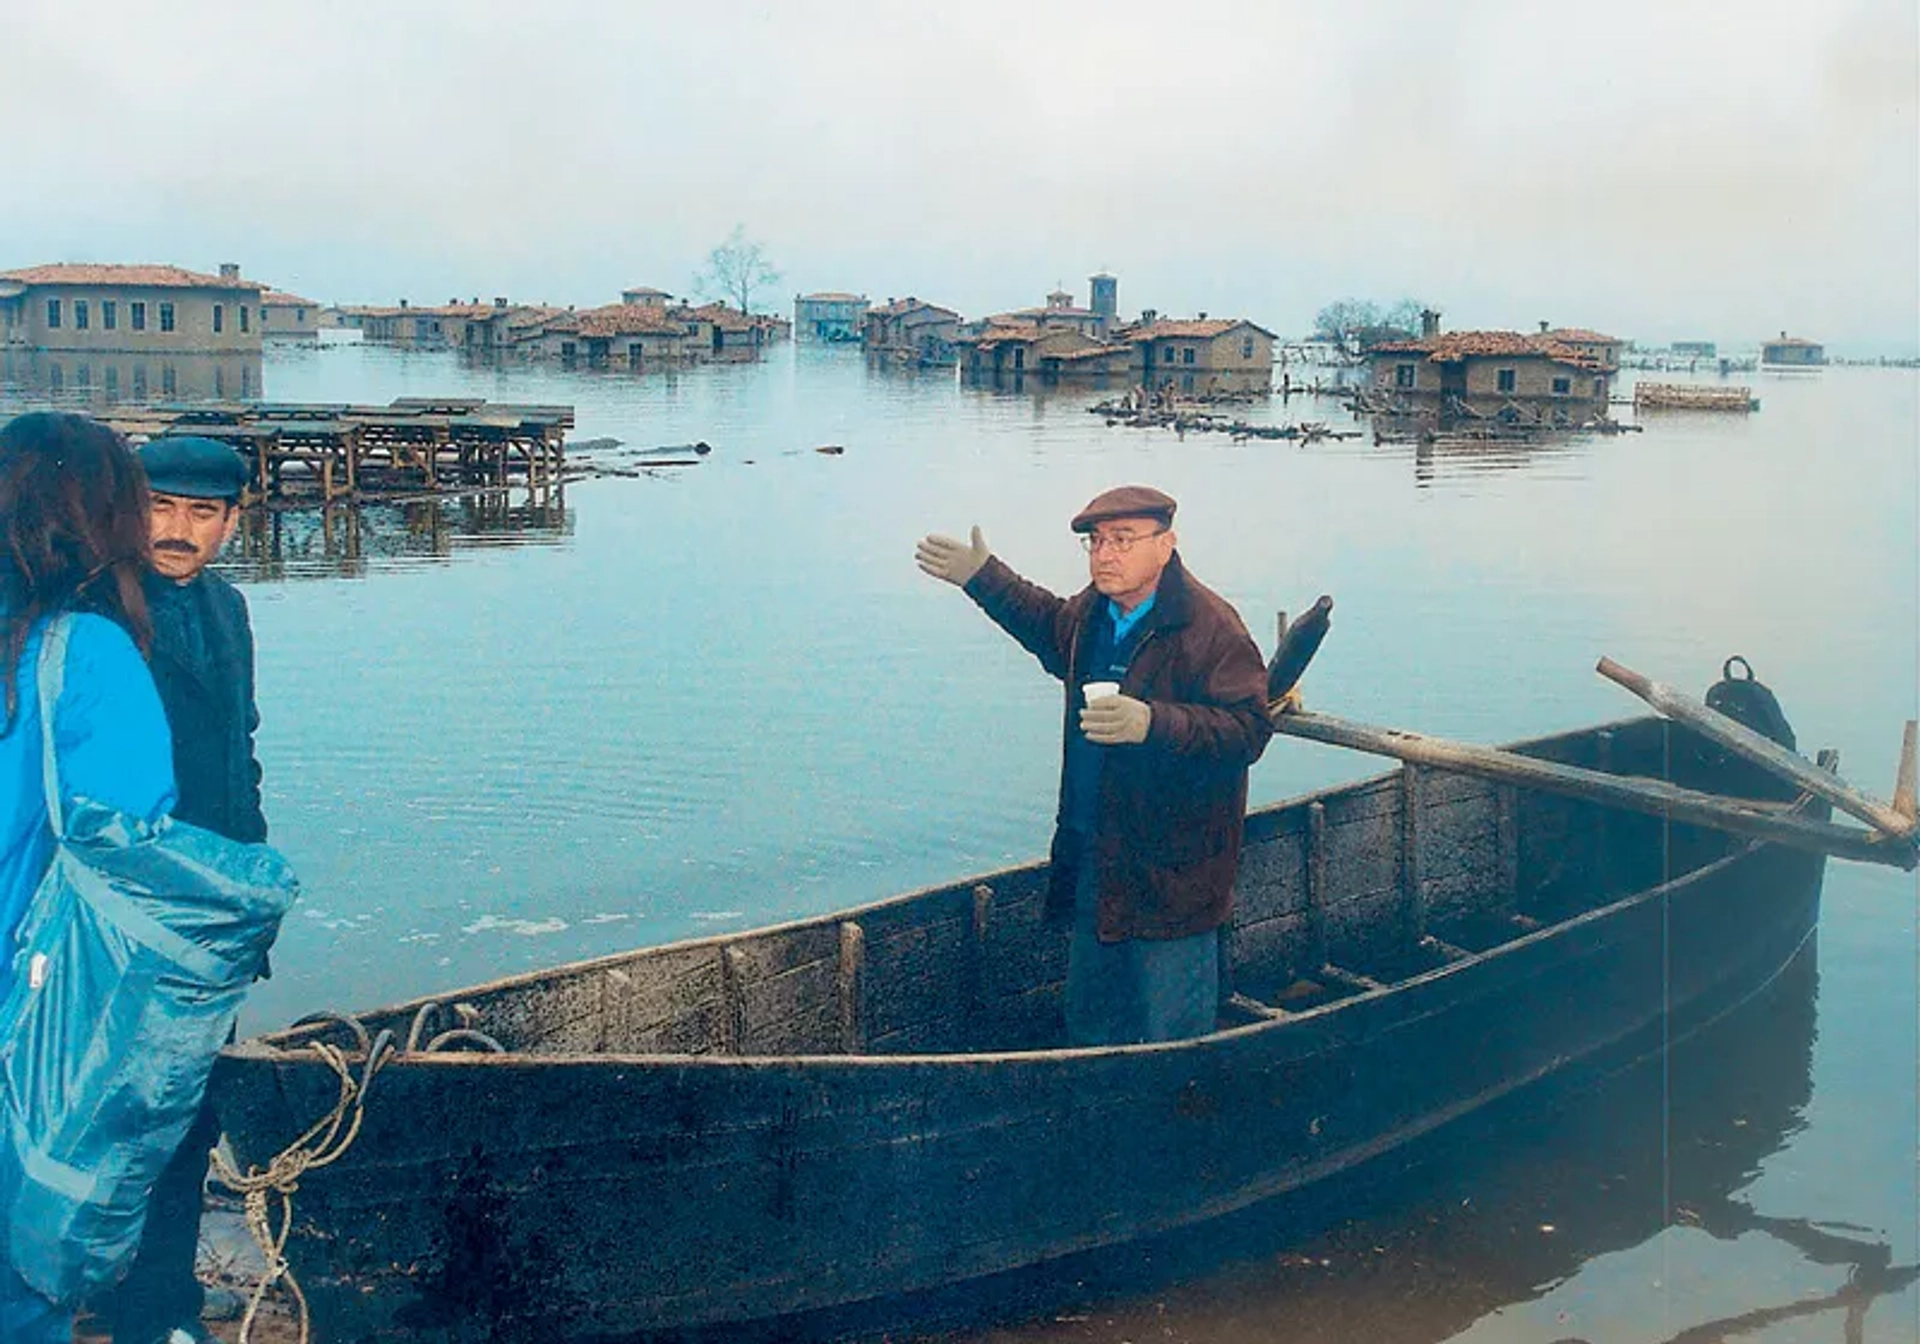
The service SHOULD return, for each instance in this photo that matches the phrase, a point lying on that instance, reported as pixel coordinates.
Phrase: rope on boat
(267, 1193)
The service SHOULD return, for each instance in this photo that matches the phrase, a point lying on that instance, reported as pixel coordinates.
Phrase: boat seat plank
(1346, 979)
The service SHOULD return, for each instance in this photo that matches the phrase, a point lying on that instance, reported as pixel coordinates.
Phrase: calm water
(498, 737)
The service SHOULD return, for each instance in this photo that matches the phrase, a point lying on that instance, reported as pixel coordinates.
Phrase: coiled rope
(266, 1193)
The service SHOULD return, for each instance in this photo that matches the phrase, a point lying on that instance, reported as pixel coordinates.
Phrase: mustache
(184, 547)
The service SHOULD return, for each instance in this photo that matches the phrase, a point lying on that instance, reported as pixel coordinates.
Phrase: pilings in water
(303, 452)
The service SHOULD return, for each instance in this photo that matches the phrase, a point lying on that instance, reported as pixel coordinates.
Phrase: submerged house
(629, 335)
(1189, 351)
(1496, 366)
(829, 316)
(1191, 354)
(911, 330)
(288, 317)
(1792, 352)
(136, 309)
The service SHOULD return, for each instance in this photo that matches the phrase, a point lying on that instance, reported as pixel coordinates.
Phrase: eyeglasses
(1117, 542)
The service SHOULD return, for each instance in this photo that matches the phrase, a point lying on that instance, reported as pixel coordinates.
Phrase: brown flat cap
(1125, 501)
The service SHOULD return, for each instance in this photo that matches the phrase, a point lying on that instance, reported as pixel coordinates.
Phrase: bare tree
(1343, 320)
(736, 269)
(1354, 324)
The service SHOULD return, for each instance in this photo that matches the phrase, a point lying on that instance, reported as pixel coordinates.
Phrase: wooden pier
(302, 452)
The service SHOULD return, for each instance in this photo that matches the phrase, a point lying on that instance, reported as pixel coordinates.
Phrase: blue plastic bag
(133, 959)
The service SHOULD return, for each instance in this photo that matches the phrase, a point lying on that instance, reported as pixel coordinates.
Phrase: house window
(263, 319)
(138, 312)
(245, 316)
(166, 324)
(300, 315)
(1599, 389)
(1562, 386)
(1505, 380)
(1246, 348)
(169, 384)
(1019, 358)
(219, 318)
(139, 382)
(53, 314)
(109, 314)
(113, 382)
(80, 314)
(1186, 355)
(1170, 356)
(1403, 375)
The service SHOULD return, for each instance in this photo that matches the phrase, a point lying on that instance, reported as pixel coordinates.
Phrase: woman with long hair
(73, 539)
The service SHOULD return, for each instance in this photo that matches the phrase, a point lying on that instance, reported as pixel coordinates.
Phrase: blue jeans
(1141, 989)
(28, 1318)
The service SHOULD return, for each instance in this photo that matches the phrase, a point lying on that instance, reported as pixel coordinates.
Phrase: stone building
(911, 330)
(1490, 366)
(288, 317)
(100, 307)
(1188, 352)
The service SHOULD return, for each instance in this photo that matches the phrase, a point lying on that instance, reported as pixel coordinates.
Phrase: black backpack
(1704, 764)
(1746, 701)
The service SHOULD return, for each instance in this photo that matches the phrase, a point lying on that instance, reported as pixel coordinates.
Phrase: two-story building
(829, 315)
(157, 309)
(1190, 351)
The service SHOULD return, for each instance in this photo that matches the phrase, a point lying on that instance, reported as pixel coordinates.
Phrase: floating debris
(1694, 397)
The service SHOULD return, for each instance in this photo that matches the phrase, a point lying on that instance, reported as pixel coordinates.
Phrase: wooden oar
(1739, 738)
(1904, 779)
(1653, 796)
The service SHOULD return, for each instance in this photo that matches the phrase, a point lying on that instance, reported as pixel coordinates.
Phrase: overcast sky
(1656, 168)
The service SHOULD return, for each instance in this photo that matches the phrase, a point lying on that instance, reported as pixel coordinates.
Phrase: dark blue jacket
(203, 667)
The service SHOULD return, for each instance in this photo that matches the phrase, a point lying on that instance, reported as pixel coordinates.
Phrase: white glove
(1116, 720)
(950, 559)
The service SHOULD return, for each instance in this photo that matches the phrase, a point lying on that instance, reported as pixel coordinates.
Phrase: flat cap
(197, 468)
(1125, 501)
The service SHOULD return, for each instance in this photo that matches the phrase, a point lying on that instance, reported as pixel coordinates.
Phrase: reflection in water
(342, 540)
(1475, 1229)
(92, 379)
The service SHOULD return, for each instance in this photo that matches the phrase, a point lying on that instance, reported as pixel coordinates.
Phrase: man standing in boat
(202, 665)
(1153, 779)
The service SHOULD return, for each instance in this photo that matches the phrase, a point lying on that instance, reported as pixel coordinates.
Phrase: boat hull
(572, 1196)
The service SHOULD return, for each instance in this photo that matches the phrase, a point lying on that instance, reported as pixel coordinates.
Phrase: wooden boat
(878, 1101)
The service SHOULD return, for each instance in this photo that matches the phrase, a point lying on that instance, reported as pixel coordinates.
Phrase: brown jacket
(1171, 809)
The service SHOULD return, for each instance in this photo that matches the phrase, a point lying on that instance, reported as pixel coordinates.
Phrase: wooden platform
(413, 445)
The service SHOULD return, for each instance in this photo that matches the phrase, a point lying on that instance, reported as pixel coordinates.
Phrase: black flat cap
(1126, 501)
(197, 468)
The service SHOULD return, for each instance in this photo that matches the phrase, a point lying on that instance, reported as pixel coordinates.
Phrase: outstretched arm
(1023, 609)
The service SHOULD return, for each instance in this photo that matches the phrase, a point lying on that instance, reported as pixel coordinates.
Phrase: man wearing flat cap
(202, 665)
(1153, 780)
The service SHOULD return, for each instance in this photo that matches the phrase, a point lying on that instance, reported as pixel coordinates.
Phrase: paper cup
(1100, 690)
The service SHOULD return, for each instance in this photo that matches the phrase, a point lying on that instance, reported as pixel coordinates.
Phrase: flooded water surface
(501, 734)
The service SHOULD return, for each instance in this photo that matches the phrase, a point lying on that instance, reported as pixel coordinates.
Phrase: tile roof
(1006, 333)
(1453, 346)
(1583, 336)
(282, 299)
(647, 289)
(900, 307)
(622, 319)
(723, 317)
(1191, 330)
(144, 277)
(833, 296)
